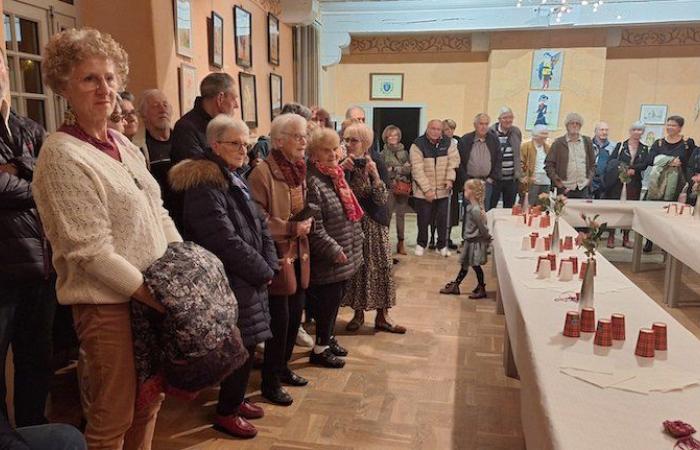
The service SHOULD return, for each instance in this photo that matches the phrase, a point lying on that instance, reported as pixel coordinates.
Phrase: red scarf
(352, 207)
(294, 172)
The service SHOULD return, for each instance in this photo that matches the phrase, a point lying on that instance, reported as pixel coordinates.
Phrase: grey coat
(332, 233)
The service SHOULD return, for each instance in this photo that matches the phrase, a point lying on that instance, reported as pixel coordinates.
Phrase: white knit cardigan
(106, 223)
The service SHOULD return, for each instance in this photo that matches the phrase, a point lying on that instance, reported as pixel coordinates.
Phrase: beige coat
(528, 154)
(433, 174)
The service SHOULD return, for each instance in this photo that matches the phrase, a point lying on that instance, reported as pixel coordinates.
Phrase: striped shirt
(508, 164)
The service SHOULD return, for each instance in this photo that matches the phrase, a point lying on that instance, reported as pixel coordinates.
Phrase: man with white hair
(534, 153)
(356, 113)
(509, 138)
(602, 148)
(157, 112)
(570, 163)
(480, 156)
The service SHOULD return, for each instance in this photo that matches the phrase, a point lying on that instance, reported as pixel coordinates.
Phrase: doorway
(407, 119)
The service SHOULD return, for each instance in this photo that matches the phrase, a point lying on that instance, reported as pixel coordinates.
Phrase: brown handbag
(401, 188)
(285, 280)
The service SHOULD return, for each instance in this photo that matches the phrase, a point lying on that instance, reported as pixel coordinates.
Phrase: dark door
(407, 119)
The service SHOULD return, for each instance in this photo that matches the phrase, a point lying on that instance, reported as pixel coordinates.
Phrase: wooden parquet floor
(440, 386)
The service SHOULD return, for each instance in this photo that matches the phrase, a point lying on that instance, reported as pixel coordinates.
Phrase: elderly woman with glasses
(220, 215)
(102, 212)
(278, 185)
(372, 287)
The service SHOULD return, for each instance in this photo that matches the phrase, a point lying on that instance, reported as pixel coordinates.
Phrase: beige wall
(598, 82)
(145, 28)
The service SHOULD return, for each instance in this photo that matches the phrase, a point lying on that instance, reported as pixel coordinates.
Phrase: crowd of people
(300, 221)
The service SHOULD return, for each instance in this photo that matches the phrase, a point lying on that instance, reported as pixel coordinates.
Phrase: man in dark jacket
(480, 155)
(570, 163)
(218, 95)
(509, 139)
(27, 293)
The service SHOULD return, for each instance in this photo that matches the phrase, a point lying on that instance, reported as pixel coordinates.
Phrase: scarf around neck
(352, 208)
(294, 172)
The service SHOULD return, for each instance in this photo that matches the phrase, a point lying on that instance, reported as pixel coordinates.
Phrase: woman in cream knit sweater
(103, 215)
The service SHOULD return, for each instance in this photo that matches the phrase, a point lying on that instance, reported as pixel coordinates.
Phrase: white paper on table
(661, 379)
(602, 286)
(603, 380)
(588, 363)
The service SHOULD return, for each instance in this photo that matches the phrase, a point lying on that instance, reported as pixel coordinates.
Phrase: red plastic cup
(588, 320)
(529, 220)
(660, 336)
(569, 243)
(582, 272)
(517, 209)
(553, 261)
(603, 333)
(547, 243)
(574, 259)
(572, 324)
(618, 327)
(645, 343)
(533, 240)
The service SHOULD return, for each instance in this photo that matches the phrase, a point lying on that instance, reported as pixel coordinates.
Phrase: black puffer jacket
(21, 243)
(332, 232)
(220, 216)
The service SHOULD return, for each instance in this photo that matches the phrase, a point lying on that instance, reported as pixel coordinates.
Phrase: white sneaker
(303, 338)
(445, 251)
(419, 250)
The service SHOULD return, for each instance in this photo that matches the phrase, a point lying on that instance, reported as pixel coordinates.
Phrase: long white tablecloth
(677, 235)
(616, 213)
(560, 412)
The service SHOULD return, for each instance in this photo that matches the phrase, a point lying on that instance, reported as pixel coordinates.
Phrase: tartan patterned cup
(552, 261)
(574, 260)
(572, 324)
(660, 336)
(568, 243)
(517, 209)
(588, 320)
(645, 343)
(603, 333)
(618, 327)
(544, 221)
(547, 243)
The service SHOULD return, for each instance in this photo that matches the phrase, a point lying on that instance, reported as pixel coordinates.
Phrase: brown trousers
(108, 380)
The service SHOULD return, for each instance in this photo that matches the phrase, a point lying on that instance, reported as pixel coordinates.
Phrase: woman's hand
(372, 169)
(304, 227)
(341, 258)
(676, 162)
(347, 163)
(696, 178)
(143, 295)
(630, 172)
(430, 196)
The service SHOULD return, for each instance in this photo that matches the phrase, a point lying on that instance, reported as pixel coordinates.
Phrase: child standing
(476, 240)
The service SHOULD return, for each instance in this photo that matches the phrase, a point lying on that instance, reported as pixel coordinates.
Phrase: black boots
(479, 292)
(451, 288)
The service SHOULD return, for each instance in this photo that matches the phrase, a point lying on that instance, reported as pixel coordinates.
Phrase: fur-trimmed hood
(191, 173)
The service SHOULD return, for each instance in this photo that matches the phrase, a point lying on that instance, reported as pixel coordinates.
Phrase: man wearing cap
(570, 163)
(509, 138)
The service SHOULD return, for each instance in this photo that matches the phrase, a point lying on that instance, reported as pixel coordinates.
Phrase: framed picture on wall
(386, 86)
(543, 109)
(275, 95)
(216, 41)
(249, 99)
(273, 39)
(653, 114)
(242, 32)
(547, 64)
(652, 133)
(188, 87)
(182, 12)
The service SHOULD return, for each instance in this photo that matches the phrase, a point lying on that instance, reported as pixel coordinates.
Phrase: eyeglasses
(235, 144)
(351, 140)
(297, 137)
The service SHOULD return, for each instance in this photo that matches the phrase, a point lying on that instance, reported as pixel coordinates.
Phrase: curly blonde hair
(71, 47)
(478, 187)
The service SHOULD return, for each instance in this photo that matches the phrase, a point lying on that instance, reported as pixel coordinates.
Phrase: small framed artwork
(547, 65)
(242, 32)
(543, 109)
(249, 99)
(273, 39)
(216, 41)
(653, 114)
(275, 95)
(652, 133)
(386, 86)
(183, 27)
(188, 87)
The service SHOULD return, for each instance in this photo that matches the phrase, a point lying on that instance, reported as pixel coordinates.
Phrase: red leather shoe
(236, 426)
(250, 410)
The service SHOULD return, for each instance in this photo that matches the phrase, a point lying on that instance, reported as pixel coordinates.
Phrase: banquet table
(679, 236)
(561, 412)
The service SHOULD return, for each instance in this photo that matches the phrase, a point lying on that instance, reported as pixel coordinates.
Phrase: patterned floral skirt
(372, 287)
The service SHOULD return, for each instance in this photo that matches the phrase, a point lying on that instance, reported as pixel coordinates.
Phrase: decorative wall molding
(665, 36)
(436, 43)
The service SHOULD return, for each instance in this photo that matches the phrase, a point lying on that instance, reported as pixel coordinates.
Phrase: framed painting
(386, 86)
(653, 114)
(652, 133)
(182, 10)
(188, 87)
(242, 32)
(543, 109)
(216, 41)
(275, 95)
(547, 64)
(273, 39)
(249, 99)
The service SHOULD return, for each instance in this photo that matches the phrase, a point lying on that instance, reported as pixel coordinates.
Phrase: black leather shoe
(327, 359)
(291, 379)
(277, 395)
(451, 245)
(336, 348)
(648, 246)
